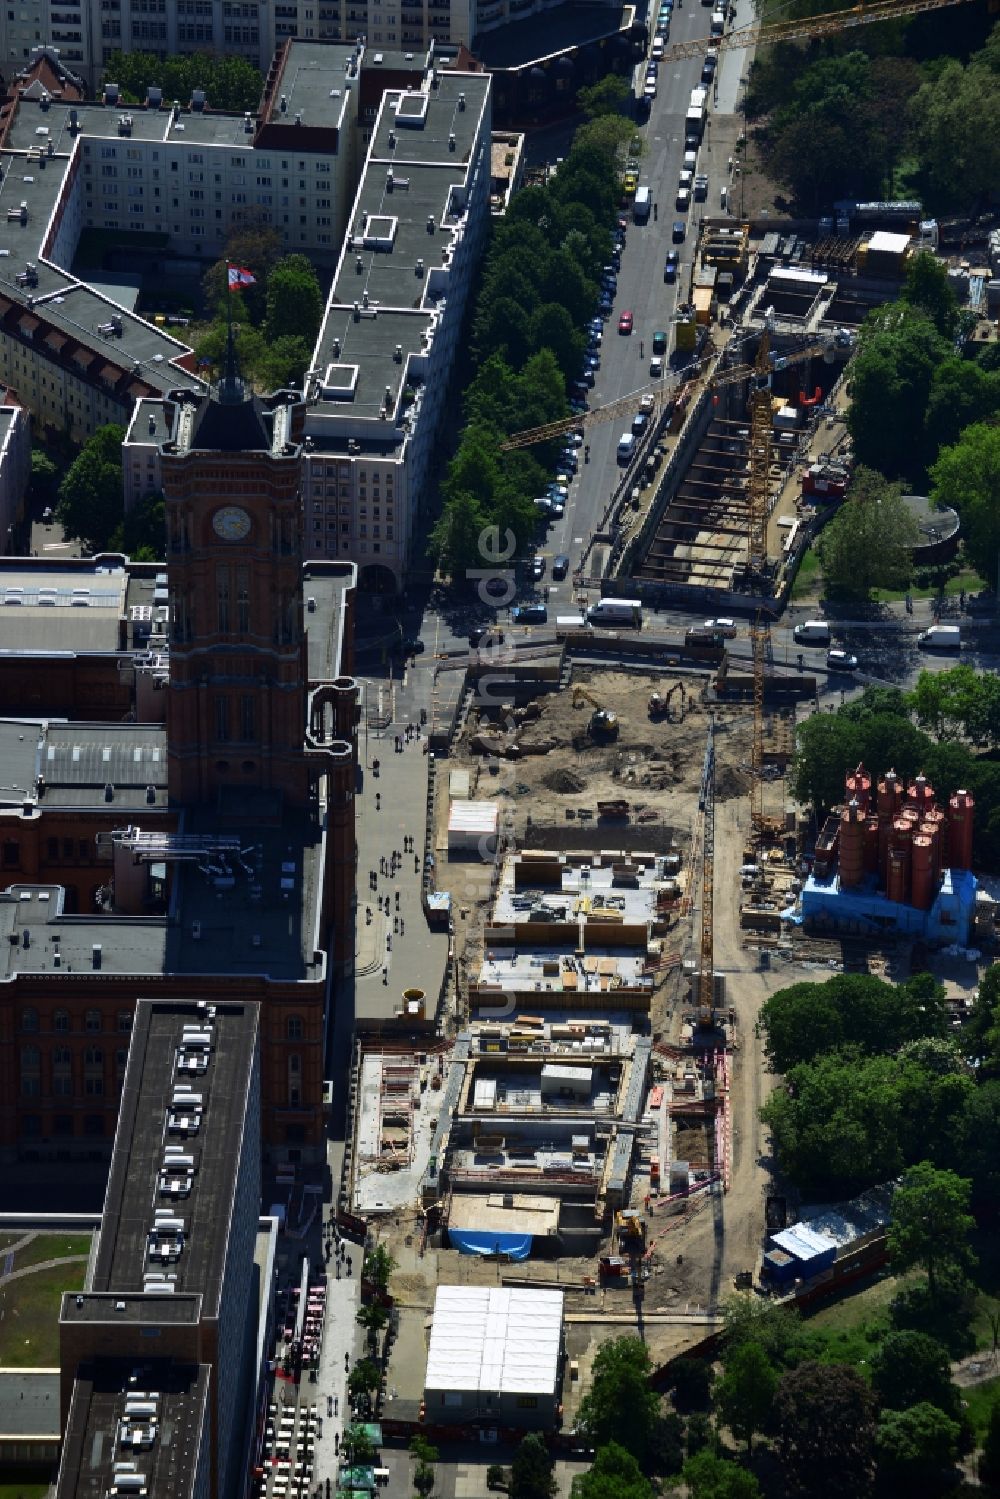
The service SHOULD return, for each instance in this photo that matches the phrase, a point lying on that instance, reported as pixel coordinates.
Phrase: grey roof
(393, 266)
(150, 1078)
(29, 1403)
(325, 583)
(90, 1450)
(79, 761)
(160, 413)
(313, 83)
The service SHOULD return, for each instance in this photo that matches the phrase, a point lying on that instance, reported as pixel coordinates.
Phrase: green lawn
(808, 577)
(50, 1247)
(967, 579)
(23, 1490)
(29, 1331)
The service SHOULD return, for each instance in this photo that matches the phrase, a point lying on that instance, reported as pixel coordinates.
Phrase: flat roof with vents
(93, 1454)
(151, 1082)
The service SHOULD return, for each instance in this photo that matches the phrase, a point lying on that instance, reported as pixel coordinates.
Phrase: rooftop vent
(154, 96)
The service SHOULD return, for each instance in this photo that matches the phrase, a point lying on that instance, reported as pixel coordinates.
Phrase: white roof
(495, 1338)
(804, 1242)
(473, 817)
(888, 244)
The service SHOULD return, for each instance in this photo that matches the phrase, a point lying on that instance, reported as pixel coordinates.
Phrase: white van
(941, 638)
(718, 25)
(617, 612)
(641, 205)
(690, 161)
(626, 446)
(812, 632)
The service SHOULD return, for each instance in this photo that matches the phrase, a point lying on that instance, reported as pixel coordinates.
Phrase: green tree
(963, 391)
(610, 95)
(230, 83)
(378, 1267)
(744, 1396)
(806, 1019)
(142, 533)
(455, 539)
(869, 542)
(532, 1472)
(989, 1460)
(372, 1318)
(294, 301)
(708, 1476)
(44, 476)
(908, 1367)
(931, 1224)
(926, 286)
(283, 364)
(748, 1319)
(899, 351)
(837, 1123)
(966, 476)
(364, 1378)
(496, 1476)
(620, 1406)
(959, 701)
(614, 1474)
(825, 106)
(358, 1447)
(825, 1431)
(917, 1448)
(91, 505)
(691, 1383)
(426, 1456)
(254, 244)
(956, 126)
(211, 347)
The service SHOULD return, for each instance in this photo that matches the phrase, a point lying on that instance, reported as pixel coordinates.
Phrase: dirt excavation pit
(654, 763)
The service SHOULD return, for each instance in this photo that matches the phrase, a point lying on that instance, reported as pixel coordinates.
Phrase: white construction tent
(495, 1352)
(469, 823)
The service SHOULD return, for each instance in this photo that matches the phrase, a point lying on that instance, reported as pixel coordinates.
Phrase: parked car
(530, 614)
(682, 203)
(647, 403)
(670, 265)
(841, 661)
(537, 568)
(700, 187)
(659, 342)
(679, 231)
(639, 422)
(625, 322)
(656, 367)
(724, 626)
(560, 565)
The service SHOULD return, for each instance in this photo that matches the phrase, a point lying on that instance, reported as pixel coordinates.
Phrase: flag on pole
(239, 277)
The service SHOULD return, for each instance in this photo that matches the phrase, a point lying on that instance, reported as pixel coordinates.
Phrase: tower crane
(826, 24)
(627, 404)
(706, 808)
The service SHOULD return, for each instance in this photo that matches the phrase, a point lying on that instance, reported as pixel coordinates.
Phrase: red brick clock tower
(236, 715)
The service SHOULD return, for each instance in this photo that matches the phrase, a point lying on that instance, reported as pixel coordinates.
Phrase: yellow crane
(826, 24)
(706, 808)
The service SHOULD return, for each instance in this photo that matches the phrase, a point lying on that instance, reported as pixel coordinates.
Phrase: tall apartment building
(158, 1351)
(382, 362)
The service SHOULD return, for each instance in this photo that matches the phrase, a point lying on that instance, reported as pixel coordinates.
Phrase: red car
(625, 323)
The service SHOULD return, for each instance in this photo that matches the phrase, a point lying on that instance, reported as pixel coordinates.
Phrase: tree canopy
(899, 351)
(614, 1474)
(294, 301)
(619, 1406)
(744, 1396)
(230, 82)
(869, 543)
(966, 476)
(532, 1472)
(825, 1430)
(708, 1476)
(90, 507)
(908, 1367)
(800, 1022)
(917, 1448)
(931, 1223)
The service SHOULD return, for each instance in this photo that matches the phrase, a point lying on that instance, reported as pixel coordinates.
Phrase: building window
(11, 853)
(62, 1072)
(294, 1028)
(60, 1020)
(93, 1124)
(29, 1020)
(63, 1124)
(222, 598)
(93, 1072)
(31, 1072)
(125, 1021)
(92, 1020)
(248, 717)
(242, 601)
(222, 718)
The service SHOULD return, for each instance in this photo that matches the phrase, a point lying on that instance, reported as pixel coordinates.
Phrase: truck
(617, 612)
(941, 638)
(703, 635)
(641, 205)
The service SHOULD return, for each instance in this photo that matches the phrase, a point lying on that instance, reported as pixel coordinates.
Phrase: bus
(617, 612)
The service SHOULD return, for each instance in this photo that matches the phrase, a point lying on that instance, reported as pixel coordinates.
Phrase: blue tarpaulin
(510, 1246)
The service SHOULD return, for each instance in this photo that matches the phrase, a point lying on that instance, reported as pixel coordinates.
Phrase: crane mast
(706, 806)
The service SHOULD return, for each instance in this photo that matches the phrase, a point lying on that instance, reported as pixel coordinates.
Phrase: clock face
(231, 523)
